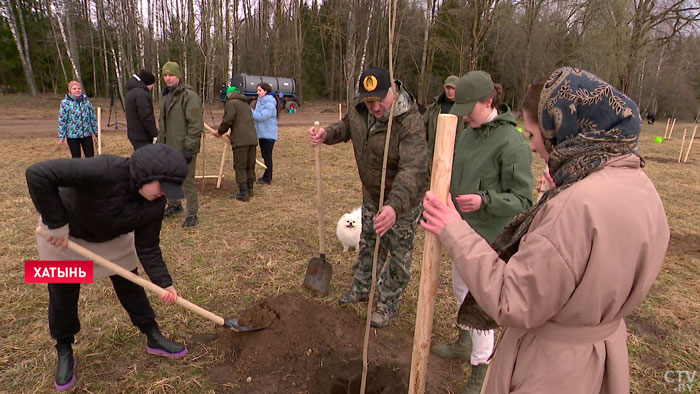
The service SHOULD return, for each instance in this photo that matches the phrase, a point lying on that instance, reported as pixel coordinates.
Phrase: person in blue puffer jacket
(77, 121)
(265, 117)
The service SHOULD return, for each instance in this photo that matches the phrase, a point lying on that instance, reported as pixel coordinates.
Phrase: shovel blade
(318, 275)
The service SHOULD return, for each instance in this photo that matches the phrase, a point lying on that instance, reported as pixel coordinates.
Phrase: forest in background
(650, 49)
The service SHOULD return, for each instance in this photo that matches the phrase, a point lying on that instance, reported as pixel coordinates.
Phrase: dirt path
(17, 128)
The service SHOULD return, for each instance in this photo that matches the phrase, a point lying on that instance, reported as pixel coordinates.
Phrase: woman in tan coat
(564, 274)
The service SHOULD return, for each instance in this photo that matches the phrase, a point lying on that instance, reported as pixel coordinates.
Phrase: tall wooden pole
(99, 130)
(690, 145)
(673, 125)
(340, 111)
(430, 271)
(668, 123)
(680, 155)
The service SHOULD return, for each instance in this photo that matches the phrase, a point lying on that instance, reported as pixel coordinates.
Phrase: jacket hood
(237, 96)
(157, 162)
(505, 116)
(135, 83)
(82, 97)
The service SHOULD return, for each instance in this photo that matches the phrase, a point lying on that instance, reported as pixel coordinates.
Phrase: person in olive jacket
(113, 206)
(440, 105)
(181, 126)
(140, 121)
(238, 118)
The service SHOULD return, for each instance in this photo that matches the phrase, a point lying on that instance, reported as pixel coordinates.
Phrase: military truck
(282, 87)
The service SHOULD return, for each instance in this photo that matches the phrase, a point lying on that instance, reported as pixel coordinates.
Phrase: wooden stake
(205, 176)
(257, 161)
(673, 125)
(99, 130)
(221, 166)
(430, 271)
(668, 123)
(202, 157)
(340, 111)
(690, 145)
(682, 143)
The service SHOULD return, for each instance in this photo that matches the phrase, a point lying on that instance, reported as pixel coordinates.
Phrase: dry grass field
(243, 252)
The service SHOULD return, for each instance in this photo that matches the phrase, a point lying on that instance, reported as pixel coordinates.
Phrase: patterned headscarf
(584, 122)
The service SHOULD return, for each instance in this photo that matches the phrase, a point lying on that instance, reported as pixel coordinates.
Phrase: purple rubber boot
(65, 371)
(157, 344)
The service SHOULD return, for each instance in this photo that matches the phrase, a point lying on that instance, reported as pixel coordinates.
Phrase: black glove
(188, 155)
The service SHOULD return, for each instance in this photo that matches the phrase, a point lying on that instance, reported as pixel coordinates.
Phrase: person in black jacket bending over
(140, 122)
(113, 206)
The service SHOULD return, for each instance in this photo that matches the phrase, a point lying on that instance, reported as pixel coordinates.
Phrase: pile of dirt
(311, 347)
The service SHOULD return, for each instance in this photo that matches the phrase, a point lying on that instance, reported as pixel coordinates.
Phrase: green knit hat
(231, 89)
(172, 68)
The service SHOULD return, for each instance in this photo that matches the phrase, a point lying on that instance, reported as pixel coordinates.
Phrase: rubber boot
(65, 370)
(242, 194)
(476, 380)
(461, 348)
(250, 188)
(157, 344)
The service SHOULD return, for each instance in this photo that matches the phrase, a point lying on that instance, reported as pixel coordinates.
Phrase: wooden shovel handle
(319, 194)
(130, 276)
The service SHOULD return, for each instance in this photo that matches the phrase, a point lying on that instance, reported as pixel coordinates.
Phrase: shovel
(233, 324)
(319, 271)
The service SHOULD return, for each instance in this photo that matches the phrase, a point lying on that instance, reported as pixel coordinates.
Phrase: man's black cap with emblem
(374, 84)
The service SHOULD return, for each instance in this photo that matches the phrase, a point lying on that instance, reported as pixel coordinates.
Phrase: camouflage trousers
(398, 243)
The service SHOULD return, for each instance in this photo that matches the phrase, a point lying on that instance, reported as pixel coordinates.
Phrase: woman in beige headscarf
(565, 273)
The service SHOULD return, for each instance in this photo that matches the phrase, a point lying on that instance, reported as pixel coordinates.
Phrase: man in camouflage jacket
(365, 124)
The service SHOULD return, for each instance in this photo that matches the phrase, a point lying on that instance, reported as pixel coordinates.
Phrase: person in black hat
(365, 124)
(140, 122)
(113, 206)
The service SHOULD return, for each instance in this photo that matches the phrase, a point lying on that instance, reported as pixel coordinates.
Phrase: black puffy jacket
(140, 122)
(99, 199)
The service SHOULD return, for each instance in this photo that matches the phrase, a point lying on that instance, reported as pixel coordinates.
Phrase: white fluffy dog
(349, 228)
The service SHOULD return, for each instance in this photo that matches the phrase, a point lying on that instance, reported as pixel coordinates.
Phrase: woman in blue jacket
(265, 117)
(77, 121)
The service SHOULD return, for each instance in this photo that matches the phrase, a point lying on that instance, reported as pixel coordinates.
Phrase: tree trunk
(69, 50)
(22, 47)
(424, 77)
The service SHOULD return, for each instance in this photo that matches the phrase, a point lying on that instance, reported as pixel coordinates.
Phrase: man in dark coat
(113, 206)
(244, 138)
(140, 122)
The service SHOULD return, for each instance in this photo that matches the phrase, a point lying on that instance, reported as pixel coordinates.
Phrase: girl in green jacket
(491, 183)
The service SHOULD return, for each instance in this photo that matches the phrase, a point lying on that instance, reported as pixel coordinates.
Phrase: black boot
(157, 344)
(65, 371)
(250, 188)
(242, 194)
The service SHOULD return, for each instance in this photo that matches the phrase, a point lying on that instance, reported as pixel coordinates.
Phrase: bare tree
(22, 45)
